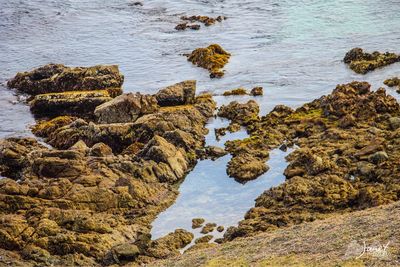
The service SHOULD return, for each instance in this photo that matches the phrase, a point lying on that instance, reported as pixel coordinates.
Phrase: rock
(362, 62)
(100, 150)
(126, 108)
(257, 91)
(45, 128)
(213, 58)
(81, 104)
(214, 152)
(379, 157)
(347, 121)
(203, 239)
(242, 114)
(238, 91)
(220, 228)
(197, 222)
(161, 151)
(395, 81)
(184, 26)
(182, 93)
(245, 167)
(57, 78)
(207, 21)
(170, 244)
(80, 146)
(125, 252)
(394, 123)
(208, 228)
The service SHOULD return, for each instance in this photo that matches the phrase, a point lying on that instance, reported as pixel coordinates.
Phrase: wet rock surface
(213, 58)
(56, 78)
(191, 20)
(336, 169)
(90, 200)
(362, 62)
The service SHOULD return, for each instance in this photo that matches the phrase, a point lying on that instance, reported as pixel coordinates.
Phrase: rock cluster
(91, 199)
(213, 58)
(207, 21)
(347, 157)
(362, 62)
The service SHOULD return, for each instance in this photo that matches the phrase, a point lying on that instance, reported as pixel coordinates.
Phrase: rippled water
(291, 48)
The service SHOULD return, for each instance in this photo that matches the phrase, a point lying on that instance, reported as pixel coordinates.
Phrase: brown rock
(182, 93)
(125, 108)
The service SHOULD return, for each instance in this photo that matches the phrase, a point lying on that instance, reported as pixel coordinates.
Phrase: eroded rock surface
(363, 62)
(56, 78)
(338, 167)
(90, 200)
(126, 108)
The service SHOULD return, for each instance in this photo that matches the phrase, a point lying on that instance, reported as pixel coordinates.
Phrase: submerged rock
(182, 93)
(207, 21)
(362, 62)
(56, 78)
(125, 108)
(213, 58)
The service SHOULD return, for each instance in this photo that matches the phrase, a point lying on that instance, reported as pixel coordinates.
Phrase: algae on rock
(213, 58)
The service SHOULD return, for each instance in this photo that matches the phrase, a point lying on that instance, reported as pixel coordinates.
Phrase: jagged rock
(182, 93)
(197, 222)
(362, 62)
(80, 104)
(245, 167)
(220, 228)
(170, 244)
(125, 108)
(242, 114)
(56, 78)
(213, 58)
(100, 150)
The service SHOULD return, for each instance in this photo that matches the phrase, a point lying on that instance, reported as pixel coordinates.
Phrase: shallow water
(291, 48)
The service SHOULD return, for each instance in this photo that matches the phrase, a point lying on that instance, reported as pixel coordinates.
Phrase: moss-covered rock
(213, 58)
(362, 62)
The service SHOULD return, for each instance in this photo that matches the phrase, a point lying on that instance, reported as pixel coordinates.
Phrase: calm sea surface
(291, 48)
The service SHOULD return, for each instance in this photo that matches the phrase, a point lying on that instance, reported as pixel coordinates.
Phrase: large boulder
(53, 78)
(178, 94)
(126, 108)
(80, 104)
(245, 167)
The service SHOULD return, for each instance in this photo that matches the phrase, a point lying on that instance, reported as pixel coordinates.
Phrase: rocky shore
(115, 162)
(346, 160)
